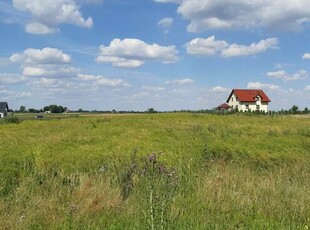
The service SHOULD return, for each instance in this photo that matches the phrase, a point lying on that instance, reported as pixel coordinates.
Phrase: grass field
(156, 171)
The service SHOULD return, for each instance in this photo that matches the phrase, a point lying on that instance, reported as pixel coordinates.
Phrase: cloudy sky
(165, 54)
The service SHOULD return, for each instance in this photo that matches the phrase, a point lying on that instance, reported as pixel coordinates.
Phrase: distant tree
(32, 110)
(151, 110)
(54, 108)
(22, 109)
(80, 110)
(294, 109)
(306, 110)
(46, 108)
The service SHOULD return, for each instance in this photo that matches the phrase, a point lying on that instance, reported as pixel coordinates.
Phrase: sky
(162, 54)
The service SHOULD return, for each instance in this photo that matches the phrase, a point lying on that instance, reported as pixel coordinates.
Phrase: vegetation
(156, 171)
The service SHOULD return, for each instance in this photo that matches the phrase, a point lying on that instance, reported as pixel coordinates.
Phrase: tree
(294, 109)
(46, 108)
(54, 108)
(32, 110)
(151, 110)
(22, 109)
(306, 110)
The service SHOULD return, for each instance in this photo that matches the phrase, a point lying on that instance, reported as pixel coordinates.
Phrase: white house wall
(233, 102)
(1, 115)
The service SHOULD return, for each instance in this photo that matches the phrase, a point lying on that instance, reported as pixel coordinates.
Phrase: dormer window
(257, 98)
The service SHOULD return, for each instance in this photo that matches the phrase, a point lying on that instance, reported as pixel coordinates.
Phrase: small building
(4, 109)
(223, 107)
(248, 100)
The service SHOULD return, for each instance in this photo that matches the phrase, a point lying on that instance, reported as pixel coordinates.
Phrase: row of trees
(60, 109)
(50, 108)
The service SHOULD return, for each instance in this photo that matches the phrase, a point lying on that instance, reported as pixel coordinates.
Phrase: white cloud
(47, 62)
(242, 50)
(306, 56)
(153, 88)
(210, 46)
(39, 28)
(307, 87)
(243, 14)
(9, 78)
(45, 56)
(47, 83)
(185, 81)
(14, 94)
(284, 76)
(100, 80)
(165, 22)
(48, 14)
(131, 53)
(220, 89)
(259, 85)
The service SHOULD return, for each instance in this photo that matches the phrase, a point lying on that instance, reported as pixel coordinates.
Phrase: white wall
(233, 102)
(1, 115)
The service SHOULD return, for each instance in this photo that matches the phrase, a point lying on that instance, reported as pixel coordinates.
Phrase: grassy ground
(156, 171)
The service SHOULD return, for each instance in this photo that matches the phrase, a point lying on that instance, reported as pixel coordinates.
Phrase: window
(246, 106)
(232, 99)
(236, 107)
(257, 107)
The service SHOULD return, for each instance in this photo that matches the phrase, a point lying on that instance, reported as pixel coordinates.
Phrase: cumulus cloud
(100, 80)
(220, 89)
(10, 78)
(307, 87)
(45, 56)
(14, 94)
(259, 85)
(242, 50)
(47, 15)
(165, 22)
(242, 14)
(306, 56)
(210, 46)
(47, 62)
(131, 53)
(149, 88)
(185, 81)
(47, 83)
(284, 76)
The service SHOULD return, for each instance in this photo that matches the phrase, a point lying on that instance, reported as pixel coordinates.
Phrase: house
(4, 108)
(248, 100)
(223, 106)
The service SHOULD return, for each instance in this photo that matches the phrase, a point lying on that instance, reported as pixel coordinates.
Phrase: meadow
(156, 171)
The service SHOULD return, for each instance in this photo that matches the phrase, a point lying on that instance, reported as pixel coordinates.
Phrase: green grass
(156, 171)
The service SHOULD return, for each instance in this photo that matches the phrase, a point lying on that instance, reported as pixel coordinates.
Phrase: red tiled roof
(249, 95)
(223, 106)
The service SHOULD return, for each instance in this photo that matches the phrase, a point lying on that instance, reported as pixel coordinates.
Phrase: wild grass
(158, 171)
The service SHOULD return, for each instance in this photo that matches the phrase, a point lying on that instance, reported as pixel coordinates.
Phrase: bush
(10, 120)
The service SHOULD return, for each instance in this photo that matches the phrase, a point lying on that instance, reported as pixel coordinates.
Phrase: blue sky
(165, 54)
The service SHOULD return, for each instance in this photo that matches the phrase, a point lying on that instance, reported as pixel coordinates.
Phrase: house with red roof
(223, 106)
(248, 100)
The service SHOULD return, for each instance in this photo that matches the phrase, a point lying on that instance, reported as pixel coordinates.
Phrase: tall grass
(159, 171)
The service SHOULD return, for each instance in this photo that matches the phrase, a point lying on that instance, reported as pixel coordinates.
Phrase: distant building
(248, 100)
(4, 109)
(223, 106)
